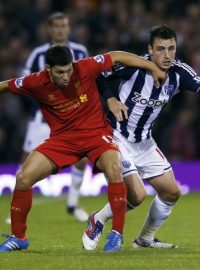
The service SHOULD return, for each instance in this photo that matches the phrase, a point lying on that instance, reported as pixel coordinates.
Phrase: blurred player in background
(132, 91)
(37, 129)
(69, 100)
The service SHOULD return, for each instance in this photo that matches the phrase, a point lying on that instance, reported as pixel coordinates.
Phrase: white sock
(104, 214)
(158, 213)
(74, 189)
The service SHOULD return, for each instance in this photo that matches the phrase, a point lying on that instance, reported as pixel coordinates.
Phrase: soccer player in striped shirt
(132, 92)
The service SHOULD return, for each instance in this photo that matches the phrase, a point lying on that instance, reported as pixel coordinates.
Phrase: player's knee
(172, 195)
(140, 198)
(175, 195)
(22, 182)
(113, 172)
(137, 199)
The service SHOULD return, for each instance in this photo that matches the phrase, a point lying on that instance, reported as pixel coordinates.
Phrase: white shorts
(144, 157)
(37, 132)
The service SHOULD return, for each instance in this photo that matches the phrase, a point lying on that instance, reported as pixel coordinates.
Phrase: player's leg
(168, 193)
(135, 188)
(155, 168)
(74, 191)
(37, 132)
(136, 194)
(109, 163)
(36, 167)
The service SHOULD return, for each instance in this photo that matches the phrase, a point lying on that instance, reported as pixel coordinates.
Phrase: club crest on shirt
(169, 89)
(126, 164)
(83, 98)
(77, 85)
(19, 82)
(99, 58)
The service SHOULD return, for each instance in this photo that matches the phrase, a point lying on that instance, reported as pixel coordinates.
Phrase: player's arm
(189, 80)
(108, 90)
(119, 109)
(133, 60)
(4, 86)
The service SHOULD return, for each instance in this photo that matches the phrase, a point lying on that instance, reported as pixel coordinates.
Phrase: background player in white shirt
(37, 129)
(136, 96)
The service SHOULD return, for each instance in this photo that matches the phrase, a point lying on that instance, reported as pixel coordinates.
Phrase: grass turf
(56, 239)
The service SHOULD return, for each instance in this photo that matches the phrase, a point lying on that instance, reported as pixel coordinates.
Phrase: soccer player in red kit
(70, 103)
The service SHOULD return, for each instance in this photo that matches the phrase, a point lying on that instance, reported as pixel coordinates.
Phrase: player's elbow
(116, 56)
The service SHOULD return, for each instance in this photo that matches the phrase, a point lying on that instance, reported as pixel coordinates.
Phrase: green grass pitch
(56, 238)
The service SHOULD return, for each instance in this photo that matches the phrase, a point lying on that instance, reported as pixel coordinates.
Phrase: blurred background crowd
(101, 25)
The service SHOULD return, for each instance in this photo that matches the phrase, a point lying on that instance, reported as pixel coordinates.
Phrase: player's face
(59, 31)
(163, 52)
(60, 75)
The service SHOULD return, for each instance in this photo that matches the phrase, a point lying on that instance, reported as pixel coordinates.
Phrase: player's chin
(63, 84)
(165, 66)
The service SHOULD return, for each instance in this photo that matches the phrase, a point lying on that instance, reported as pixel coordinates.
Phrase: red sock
(20, 206)
(117, 193)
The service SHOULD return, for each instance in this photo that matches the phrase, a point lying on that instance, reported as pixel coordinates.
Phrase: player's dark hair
(58, 55)
(55, 16)
(161, 31)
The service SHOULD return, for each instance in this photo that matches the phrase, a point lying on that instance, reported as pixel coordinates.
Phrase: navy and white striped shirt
(137, 91)
(36, 59)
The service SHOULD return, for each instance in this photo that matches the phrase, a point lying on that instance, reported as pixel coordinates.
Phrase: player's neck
(55, 42)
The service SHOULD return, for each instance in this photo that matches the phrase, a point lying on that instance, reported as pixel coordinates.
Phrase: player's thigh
(109, 163)
(36, 167)
(136, 191)
(127, 158)
(166, 186)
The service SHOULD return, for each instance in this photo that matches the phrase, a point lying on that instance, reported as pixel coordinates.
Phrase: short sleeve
(94, 66)
(22, 85)
(188, 78)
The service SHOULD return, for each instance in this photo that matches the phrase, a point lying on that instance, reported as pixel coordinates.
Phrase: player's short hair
(58, 55)
(161, 31)
(56, 16)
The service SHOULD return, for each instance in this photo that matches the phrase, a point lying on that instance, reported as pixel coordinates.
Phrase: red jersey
(76, 107)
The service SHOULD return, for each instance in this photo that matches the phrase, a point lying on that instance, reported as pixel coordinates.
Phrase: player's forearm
(4, 86)
(132, 60)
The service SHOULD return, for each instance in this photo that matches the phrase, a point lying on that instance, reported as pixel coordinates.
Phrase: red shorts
(68, 148)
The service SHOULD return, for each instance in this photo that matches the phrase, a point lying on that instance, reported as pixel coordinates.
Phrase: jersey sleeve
(108, 87)
(188, 78)
(94, 66)
(109, 82)
(120, 71)
(22, 85)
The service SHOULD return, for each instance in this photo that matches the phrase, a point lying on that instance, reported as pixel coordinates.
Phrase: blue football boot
(13, 243)
(114, 242)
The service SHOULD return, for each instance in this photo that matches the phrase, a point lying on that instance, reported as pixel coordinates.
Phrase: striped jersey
(36, 59)
(136, 89)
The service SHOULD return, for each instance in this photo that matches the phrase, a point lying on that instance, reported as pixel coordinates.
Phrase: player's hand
(159, 77)
(119, 109)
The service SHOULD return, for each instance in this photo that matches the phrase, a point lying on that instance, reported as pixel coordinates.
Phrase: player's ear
(47, 67)
(150, 49)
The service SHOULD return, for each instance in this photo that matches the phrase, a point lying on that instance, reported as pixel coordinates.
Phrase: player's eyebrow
(165, 47)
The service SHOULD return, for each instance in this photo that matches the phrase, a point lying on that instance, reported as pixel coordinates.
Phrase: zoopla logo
(148, 102)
